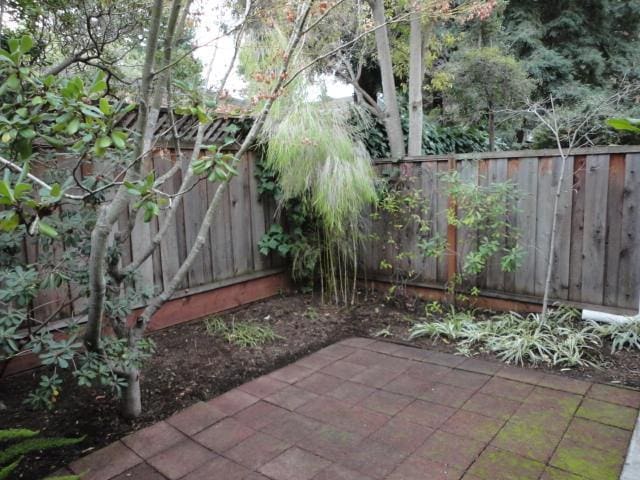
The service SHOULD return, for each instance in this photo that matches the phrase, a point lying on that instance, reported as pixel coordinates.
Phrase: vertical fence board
(595, 226)
(614, 228)
(544, 216)
(442, 201)
(629, 276)
(139, 239)
(549, 172)
(497, 173)
(577, 227)
(220, 236)
(258, 225)
(430, 191)
(241, 235)
(194, 208)
(470, 172)
(527, 184)
(169, 251)
(560, 276)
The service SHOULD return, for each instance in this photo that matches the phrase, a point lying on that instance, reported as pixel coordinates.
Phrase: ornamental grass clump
(514, 338)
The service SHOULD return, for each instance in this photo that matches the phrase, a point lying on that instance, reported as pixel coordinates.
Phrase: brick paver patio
(365, 410)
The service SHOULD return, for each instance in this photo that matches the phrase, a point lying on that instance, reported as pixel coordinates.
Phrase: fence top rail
(513, 154)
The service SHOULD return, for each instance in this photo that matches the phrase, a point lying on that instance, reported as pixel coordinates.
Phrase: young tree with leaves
(485, 82)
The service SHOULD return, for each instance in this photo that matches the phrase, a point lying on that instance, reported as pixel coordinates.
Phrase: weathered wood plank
(429, 266)
(497, 173)
(595, 228)
(527, 184)
(170, 259)
(614, 228)
(220, 236)
(548, 177)
(194, 208)
(577, 227)
(560, 277)
(240, 209)
(472, 172)
(257, 209)
(629, 276)
(140, 236)
(544, 215)
(442, 202)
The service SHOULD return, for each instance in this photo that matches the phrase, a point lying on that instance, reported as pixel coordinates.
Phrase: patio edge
(631, 468)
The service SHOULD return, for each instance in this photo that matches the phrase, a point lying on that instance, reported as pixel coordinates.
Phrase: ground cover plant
(241, 334)
(17, 442)
(560, 338)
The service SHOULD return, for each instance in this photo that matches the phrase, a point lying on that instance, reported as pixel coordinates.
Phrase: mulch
(191, 365)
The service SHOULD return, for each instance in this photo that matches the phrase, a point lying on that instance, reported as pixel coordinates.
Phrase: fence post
(452, 237)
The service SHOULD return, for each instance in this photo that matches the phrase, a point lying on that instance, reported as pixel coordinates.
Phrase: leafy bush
(241, 334)
(514, 338)
(12, 455)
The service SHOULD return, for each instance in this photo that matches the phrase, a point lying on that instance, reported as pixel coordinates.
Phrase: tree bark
(552, 240)
(138, 329)
(415, 84)
(109, 213)
(392, 121)
(492, 130)
(132, 400)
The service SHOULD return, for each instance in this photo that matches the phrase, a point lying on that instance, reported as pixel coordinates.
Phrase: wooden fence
(597, 260)
(230, 252)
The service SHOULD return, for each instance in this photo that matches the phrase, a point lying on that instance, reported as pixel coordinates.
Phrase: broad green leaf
(73, 126)
(20, 189)
(12, 82)
(26, 43)
(119, 138)
(625, 124)
(54, 142)
(10, 222)
(105, 106)
(6, 191)
(103, 142)
(27, 133)
(47, 230)
(14, 45)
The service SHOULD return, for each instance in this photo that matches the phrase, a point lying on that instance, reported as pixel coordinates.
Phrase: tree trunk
(492, 131)
(109, 213)
(415, 85)
(392, 112)
(131, 400)
(138, 329)
(552, 240)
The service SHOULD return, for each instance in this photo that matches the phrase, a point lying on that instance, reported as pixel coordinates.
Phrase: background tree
(485, 82)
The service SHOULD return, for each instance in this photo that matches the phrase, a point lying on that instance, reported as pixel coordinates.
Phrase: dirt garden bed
(191, 365)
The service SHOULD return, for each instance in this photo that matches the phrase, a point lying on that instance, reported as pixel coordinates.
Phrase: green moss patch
(608, 413)
(496, 464)
(587, 461)
(530, 439)
(555, 474)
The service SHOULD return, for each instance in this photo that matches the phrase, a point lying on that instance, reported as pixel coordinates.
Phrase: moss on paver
(555, 474)
(608, 413)
(530, 439)
(589, 462)
(496, 464)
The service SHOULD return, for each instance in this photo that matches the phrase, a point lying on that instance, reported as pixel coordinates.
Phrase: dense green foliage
(27, 442)
(575, 47)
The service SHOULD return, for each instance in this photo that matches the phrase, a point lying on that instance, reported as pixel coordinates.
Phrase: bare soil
(191, 365)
